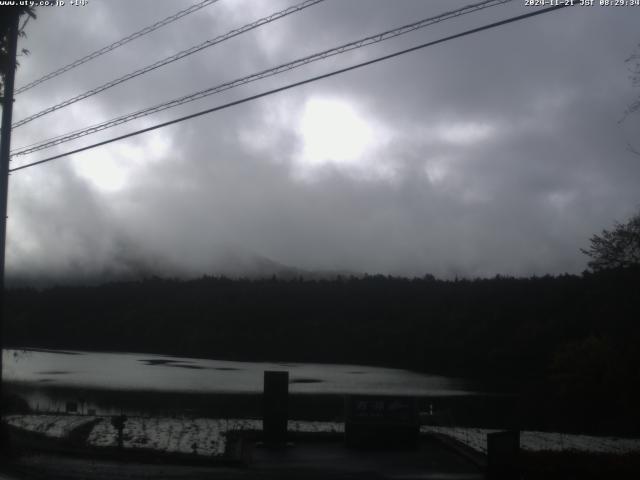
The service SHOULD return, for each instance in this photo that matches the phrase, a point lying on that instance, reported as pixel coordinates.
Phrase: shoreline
(490, 411)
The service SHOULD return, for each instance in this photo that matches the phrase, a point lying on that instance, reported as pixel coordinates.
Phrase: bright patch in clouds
(101, 169)
(333, 133)
(437, 170)
(110, 168)
(464, 133)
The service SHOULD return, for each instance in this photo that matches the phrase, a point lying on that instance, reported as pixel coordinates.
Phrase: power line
(18, 150)
(119, 43)
(173, 58)
(370, 40)
(296, 84)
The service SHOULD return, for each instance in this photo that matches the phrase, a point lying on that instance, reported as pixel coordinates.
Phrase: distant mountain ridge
(134, 266)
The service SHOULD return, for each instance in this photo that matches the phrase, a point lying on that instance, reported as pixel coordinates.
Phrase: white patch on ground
(57, 426)
(103, 435)
(201, 436)
(476, 438)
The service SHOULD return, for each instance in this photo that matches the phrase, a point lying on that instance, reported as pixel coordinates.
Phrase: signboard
(381, 421)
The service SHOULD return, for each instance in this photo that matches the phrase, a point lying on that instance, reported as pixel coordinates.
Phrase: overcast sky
(497, 153)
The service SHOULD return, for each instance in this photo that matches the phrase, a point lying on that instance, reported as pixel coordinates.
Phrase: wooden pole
(5, 147)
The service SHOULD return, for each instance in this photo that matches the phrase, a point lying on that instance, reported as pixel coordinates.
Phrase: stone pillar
(503, 449)
(275, 407)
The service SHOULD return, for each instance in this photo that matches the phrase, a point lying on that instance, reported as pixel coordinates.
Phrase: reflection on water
(39, 372)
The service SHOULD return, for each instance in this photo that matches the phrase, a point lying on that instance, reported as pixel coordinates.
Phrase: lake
(48, 379)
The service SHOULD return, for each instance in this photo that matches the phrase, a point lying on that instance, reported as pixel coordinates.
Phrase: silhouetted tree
(633, 63)
(616, 248)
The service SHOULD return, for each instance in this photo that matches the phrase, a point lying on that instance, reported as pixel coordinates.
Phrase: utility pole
(5, 147)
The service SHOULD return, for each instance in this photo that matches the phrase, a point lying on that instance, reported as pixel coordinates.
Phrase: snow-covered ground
(207, 436)
(476, 438)
(201, 436)
(57, 426)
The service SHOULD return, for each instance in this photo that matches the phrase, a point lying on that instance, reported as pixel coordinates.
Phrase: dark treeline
(567, 344)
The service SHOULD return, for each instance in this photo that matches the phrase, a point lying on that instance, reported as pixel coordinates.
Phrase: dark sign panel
(381, 421)
(382, 409)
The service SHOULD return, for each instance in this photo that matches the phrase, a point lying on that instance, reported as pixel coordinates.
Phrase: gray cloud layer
(497, 153)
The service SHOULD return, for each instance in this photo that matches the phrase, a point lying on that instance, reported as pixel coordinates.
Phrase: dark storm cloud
(498, 153)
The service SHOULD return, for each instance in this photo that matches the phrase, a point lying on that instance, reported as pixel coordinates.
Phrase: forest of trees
(567, 344)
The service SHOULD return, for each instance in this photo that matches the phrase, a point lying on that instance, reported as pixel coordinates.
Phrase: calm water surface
(141, 384)
(133, 371)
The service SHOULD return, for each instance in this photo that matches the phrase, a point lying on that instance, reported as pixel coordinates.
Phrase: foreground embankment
(219, 443)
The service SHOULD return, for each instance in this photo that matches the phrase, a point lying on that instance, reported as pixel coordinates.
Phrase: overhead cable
(260, 75)
(114, 45)
(293, 85)
(173, 58)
